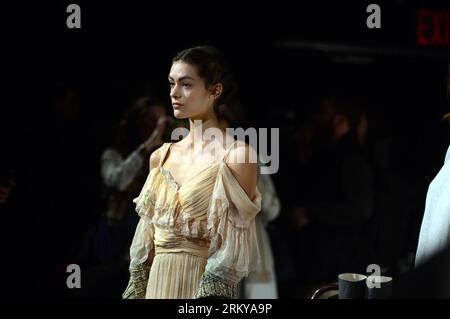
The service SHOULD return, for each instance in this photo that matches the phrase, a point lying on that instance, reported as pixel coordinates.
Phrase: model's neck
(197, 128)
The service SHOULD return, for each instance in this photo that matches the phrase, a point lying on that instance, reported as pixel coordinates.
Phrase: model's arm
(246, 173)
(141, 252)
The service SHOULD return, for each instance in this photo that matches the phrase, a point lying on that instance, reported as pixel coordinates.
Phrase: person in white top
(141, 131)
(435, 230)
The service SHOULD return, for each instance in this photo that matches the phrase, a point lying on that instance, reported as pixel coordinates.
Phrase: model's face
(190, 98)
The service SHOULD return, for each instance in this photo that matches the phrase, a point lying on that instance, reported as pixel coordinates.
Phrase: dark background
(284, 55)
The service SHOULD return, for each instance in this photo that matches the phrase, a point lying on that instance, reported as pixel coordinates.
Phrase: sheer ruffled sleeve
(141, 249)
(231, 225)
(141, 254)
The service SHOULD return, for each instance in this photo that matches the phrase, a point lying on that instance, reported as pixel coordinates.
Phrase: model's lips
(176, 104)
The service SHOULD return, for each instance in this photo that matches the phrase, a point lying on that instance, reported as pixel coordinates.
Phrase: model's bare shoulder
(155, 157)
(245, 171)
(241, 152)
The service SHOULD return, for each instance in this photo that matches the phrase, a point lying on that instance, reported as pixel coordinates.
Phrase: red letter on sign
(437, 19)
(447, 29)
(421, 27)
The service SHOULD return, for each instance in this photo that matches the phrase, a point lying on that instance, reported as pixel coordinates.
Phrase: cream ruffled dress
(198, 237)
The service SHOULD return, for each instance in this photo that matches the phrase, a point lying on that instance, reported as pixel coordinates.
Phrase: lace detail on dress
(137, 284)
(169, 177)
(212, 286)
(167, 211)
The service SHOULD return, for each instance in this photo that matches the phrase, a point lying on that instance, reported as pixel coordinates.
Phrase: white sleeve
(447, 157)
(117, 172)
(270, 205)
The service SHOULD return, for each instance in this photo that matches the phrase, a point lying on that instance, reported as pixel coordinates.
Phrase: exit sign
(433, 28)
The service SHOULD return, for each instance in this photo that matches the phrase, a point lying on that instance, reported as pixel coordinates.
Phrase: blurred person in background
(333, 215)
(123, 170)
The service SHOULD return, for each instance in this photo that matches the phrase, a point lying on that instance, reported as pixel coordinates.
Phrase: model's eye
(171, 84)
(187, 85)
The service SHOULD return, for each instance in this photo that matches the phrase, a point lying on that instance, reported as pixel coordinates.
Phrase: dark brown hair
(213, 69)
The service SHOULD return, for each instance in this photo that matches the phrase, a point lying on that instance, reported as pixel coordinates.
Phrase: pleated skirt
(175, 276)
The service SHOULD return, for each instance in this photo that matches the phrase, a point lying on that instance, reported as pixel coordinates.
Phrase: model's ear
(217, 90)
